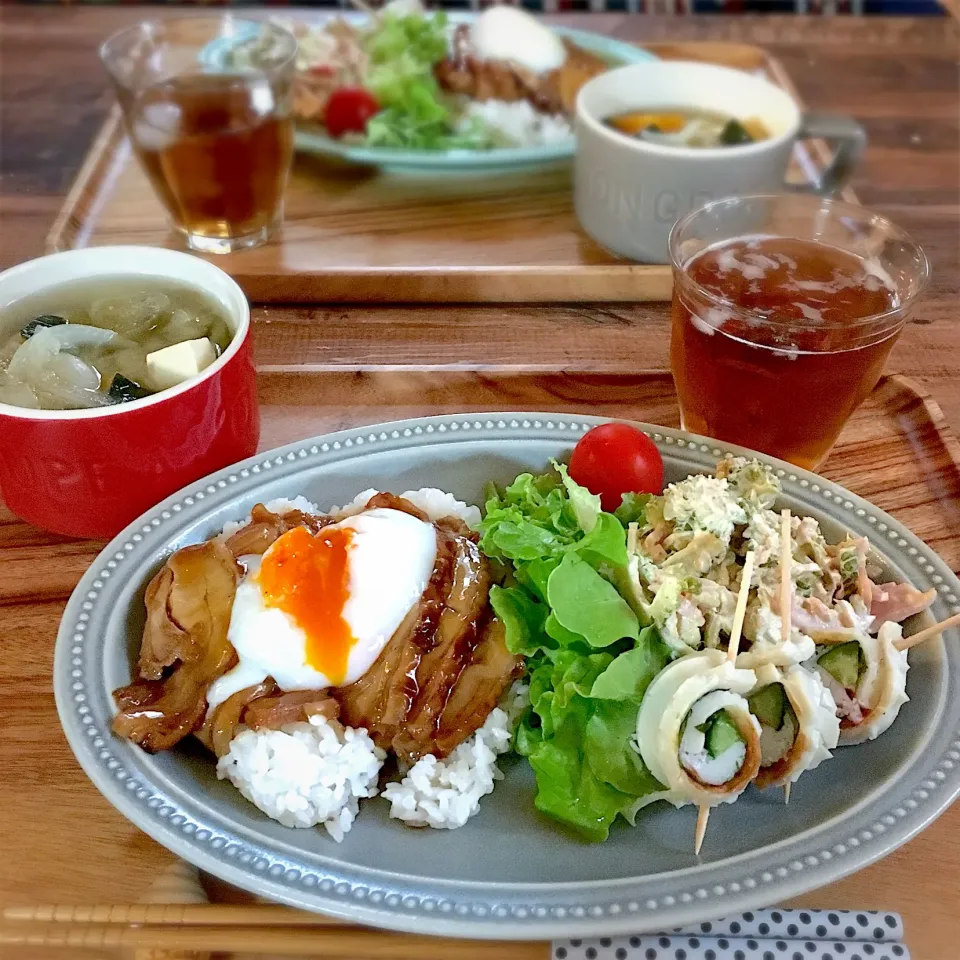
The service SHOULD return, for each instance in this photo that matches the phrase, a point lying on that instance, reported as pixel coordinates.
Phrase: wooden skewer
(741, 609)
(176, 914)
(786, 580)
(786, 596)
(703, 814)
(905, 643)
(356, 943)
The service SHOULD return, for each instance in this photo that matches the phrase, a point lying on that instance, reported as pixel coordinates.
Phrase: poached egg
(508, 33)
(316, 610)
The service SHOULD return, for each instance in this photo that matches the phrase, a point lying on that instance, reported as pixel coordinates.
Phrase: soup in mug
(688, 128)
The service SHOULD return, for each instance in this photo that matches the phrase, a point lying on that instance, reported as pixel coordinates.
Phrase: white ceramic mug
(628, 193)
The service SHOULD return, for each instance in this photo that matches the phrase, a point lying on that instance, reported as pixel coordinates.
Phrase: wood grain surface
(326, 367)
(358, 234)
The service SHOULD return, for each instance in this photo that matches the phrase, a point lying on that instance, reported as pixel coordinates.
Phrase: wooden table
(61, 841)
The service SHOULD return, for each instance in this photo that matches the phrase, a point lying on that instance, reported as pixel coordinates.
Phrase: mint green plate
(616, 52)
(315, 141)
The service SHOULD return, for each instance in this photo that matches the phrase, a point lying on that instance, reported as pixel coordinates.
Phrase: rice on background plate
(517, 123)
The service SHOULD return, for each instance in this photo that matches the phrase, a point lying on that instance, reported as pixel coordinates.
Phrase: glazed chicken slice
(164, 640)
(182, 601)
(221, 724)
(184, 647)
(262, 707)
(456, 638)
(265, 528)
(433, 684)
(382, 698)
(390, 501)
(274, 712)
(553, 92)
(560, 87)
(478, 689)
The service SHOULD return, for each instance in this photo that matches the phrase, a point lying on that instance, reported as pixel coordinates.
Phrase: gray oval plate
(509, 873)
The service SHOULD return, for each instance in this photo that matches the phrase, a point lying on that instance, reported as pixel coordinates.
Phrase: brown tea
(778, 361)
(217, 150)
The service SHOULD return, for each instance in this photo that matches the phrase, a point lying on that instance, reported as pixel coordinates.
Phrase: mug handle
(846, 138)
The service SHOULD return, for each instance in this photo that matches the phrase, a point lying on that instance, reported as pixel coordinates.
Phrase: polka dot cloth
(757, 935)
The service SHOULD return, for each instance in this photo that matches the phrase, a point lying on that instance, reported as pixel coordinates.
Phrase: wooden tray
(352, 234)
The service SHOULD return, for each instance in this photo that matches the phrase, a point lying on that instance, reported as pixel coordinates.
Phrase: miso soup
(688, 128)
(106, 340)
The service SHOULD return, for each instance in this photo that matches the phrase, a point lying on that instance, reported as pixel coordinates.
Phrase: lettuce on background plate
(414, 112)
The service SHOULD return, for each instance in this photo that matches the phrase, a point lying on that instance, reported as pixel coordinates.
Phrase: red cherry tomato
(348, 110)
(614, 459)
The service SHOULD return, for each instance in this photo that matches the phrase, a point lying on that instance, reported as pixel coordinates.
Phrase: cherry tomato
(614, 459)
(348, 110)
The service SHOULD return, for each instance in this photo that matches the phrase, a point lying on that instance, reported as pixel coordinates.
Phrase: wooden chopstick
(183, 914)
(344, 943)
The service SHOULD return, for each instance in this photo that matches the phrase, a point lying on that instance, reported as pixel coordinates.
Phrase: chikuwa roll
(776, 653)
(695, 730)
(867, 677)
(798, 721)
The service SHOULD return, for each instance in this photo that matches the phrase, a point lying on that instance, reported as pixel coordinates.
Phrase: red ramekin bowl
(88, 473)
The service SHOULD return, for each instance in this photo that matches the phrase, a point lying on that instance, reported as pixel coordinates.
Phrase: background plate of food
(594, 668)
(407, 88)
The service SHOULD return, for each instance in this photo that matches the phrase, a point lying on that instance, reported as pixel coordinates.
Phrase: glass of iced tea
(213, 130)
(785, 309)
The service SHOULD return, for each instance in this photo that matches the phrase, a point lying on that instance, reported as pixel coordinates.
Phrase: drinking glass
(207, 106)
(774, 364)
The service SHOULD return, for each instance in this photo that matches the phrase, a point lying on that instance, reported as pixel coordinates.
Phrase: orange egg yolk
(308, 578)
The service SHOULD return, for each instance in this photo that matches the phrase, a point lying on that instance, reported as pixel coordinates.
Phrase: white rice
(435, 503)
(518, 124)
(356, 505)
(445, 794)
(306, 774)
(515, 701)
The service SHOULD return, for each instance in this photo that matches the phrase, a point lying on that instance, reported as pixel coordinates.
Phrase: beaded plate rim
(884, 820)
